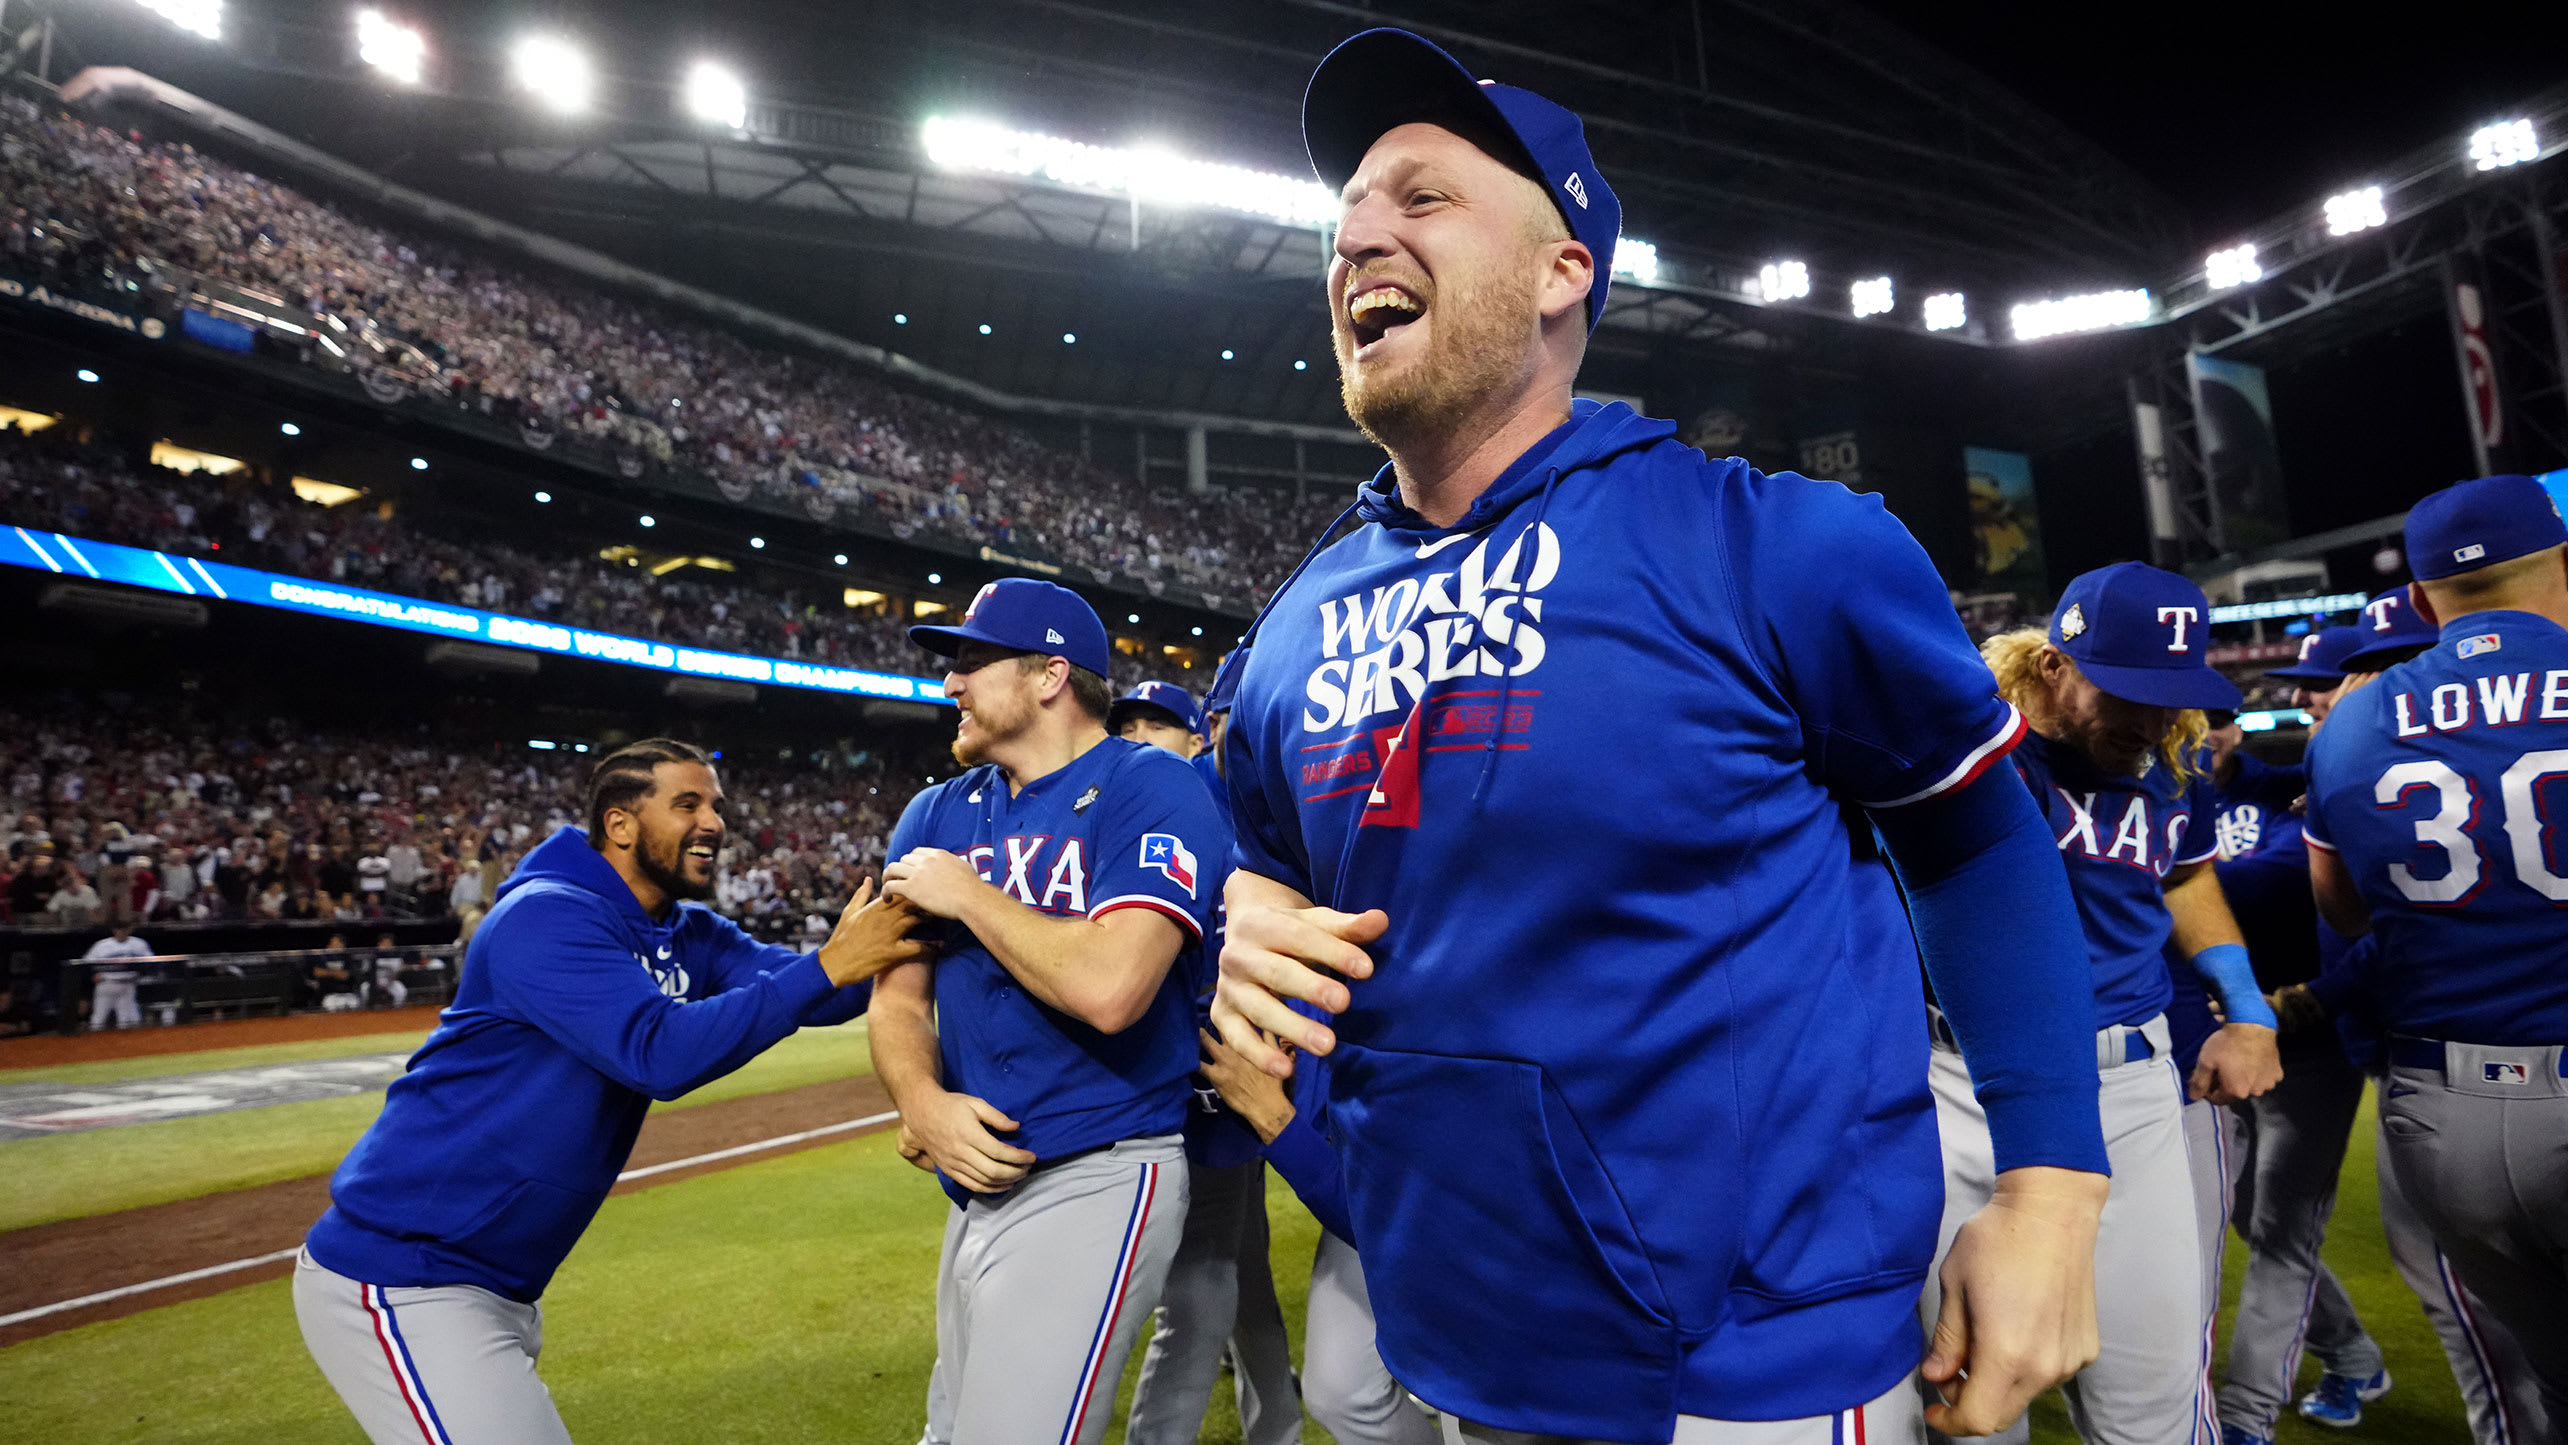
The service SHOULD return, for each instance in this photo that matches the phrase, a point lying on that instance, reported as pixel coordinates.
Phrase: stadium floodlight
(1226, 353)
(2235, 266)
(1636, 259)
(2096, 311)
(1870, 298)
(2356, 211)
(1301, 366)
(1783, 281)
(758, 543)
(1944, 311)
(900, 318)
(419, 464)
(555, 72)
(85, 374)
(650, 521)
(290, 429)
(1132, 617)
(715, 94)
(396, 50)
(2507, 143)
(1145, 174)
(1069, 338)
(985, 328)
(196, 17)
(543, 496)
(935, 579)
(841, 559)
(1199, 632)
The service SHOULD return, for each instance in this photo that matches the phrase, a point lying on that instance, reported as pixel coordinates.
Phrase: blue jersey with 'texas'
(1123, 825)
(2443, 786)
(1633, 1114)
(2120, 836)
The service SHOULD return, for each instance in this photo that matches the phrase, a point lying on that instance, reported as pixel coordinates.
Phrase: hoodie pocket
(529, 1229)
(1507, 1278)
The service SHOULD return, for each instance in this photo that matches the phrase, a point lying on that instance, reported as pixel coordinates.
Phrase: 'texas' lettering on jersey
(1382, 649)
(2129, 839)
(1027, 857)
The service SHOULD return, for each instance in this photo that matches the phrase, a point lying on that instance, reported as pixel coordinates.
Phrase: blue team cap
(2142, 635)
(1225, 689)
(1166, 697)
(1381, 80)
(1025, 615)
(2470, 525)
(2392, 632)
(2322, 655)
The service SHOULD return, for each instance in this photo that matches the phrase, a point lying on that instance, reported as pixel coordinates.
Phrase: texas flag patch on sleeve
(1168, 853)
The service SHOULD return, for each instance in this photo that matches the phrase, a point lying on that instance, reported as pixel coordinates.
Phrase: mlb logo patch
(1168, 853)
(2504, 1074)
(2484, 642)
(2471, 553)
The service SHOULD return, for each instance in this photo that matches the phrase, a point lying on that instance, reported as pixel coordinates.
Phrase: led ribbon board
(188, 576)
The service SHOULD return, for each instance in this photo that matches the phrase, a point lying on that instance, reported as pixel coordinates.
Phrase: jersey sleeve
(1847, 617)
(911, 831)
(1161, 844)
(2200, 841)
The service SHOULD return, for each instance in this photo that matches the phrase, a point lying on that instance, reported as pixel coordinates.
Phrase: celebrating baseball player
(1634, 1127)
(2294, 1137)
(598, 983)
(2114, 690)
(1220, 1296)
(1041, 1064)
(2432, 797)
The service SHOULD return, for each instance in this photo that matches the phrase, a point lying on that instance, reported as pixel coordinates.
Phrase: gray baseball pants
(2497, 1387)
(2212, 1152)
(2295, 1147)
(2147, 1385)
(1345, 1385)
(2480, 1147)
(1220, 1295)
(452, 1365)
(1042, 1292)
(1897, 1418)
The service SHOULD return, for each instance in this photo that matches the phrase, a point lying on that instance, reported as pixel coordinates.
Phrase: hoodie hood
(566, 857)
(1594, 433)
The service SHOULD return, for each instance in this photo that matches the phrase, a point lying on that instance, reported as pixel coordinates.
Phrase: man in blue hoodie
(598, 983)
(1631, 1105)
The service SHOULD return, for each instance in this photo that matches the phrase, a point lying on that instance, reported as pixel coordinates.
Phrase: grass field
(792, 1299)
(67, 1176)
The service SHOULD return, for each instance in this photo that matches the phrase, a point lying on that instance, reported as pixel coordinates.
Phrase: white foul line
(277, 1256)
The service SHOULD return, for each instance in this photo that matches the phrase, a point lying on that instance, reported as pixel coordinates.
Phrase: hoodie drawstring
(1507, 676)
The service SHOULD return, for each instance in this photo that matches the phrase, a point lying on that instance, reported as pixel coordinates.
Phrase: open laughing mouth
(1378, 308)
(702, 848)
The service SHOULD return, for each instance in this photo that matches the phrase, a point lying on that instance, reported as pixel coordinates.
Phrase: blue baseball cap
(2322, 655)
(1025, 615)
(2392, 632)
(1380, 80)
(2142, 635)
(1165, 697)
(2470, 525)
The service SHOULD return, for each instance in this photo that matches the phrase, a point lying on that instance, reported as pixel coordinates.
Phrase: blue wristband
(2225, 967)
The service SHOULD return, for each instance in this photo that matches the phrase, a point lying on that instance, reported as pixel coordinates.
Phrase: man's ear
(2424, 608)
(1567, 280)
(1056, 677)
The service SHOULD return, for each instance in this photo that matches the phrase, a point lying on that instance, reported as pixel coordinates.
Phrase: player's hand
(952, 1132)
(906, 1140)
(872, 935)
(2299, 1009)
(2238, 1063)
(933, 880)
(1272, 954)
(2019, 1300)
(1255, 1095)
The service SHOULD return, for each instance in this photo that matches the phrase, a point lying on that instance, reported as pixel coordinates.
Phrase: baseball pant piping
(1043, 1291)
(1220, 1296)
(447, 1365)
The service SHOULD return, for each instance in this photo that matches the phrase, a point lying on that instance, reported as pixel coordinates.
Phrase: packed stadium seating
(84, 206)
(190, 818)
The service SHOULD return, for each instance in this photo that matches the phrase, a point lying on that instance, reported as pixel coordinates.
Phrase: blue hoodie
(497, 1145)
(1633, 1111)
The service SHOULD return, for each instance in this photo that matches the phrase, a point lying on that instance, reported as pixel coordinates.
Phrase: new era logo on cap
(1052, 637)
(1577, 189)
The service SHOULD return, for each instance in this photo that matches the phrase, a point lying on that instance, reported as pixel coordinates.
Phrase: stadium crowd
(90, 490)
(152, 816)
(82, 205)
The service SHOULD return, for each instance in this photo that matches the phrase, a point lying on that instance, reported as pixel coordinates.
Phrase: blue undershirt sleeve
(1999, 931)
(1309, 1165)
